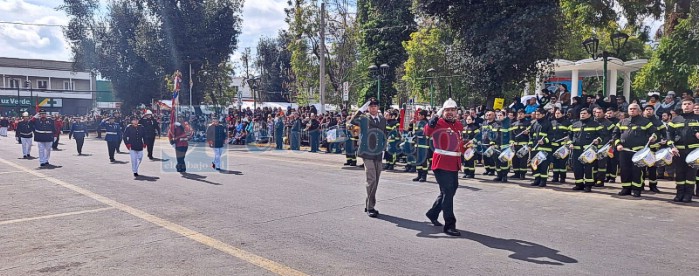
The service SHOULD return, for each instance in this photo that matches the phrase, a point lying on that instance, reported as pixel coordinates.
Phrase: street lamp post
(591, 45)
(254, 83)
(379, 72)
(431, 72)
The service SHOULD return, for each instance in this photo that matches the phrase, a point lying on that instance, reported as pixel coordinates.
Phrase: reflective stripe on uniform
(447, 153)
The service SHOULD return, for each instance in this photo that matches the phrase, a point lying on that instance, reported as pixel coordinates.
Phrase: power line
(31, 24)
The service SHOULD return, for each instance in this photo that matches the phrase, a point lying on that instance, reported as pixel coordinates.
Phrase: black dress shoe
(373, 213)
(452, 232)
(434, 222)
(135, 174)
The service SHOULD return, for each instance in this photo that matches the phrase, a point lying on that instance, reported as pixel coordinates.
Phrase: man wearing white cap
(25, 133)
(445, 131)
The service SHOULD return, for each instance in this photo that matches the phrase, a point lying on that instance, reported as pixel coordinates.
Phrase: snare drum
(663, 157)
(561, 153)
(693, 159)
(643, 158)
(469, 153)
(522, 152)
(589, 155)
(506, 155)
(489, 151)
(604, 152)
(537, 159)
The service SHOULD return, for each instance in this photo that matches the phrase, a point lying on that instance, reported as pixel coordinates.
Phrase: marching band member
(518, 128)
(78, 130)
(631, 135)
(391, 153)
(350, 144)
(423, 148)
(651, 173)
(446, 131)
(613, 162)
(539, 137)
(583, 133)
(503, 139)
(469, 134)
(606, 135)
(488, 138)
(683, 134)
(560, 128)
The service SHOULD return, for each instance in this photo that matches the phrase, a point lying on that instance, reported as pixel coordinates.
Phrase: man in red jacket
(58, 123)
(445, 131)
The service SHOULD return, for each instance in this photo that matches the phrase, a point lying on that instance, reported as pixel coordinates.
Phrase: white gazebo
(576, 70)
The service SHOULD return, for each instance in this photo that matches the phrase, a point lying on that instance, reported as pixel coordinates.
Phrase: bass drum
(643, 158)
(693, 159)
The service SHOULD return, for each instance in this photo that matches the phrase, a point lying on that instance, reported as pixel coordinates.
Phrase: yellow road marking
(55, 215)
(259, 261)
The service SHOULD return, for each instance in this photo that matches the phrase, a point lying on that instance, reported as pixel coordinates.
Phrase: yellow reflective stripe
(576, 129)
(649, 125)
(623, 127)
(693, 124)
(591, 128)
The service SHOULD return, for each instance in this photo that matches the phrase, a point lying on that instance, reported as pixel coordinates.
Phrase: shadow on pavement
(156, 159)
(197, 177)
(119, 162)
(146, 178)
(521, 250)
(50, 167)
(222, 171)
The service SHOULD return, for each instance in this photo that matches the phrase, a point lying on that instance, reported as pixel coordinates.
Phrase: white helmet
(25, 114)
(449, 104)
(148, 112)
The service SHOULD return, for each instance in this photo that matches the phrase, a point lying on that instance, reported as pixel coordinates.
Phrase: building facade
(31, 84)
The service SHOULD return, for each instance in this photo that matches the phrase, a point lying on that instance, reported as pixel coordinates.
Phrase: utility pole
(322, 57)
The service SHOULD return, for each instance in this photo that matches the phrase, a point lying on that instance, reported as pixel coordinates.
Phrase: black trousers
(601, 171)
(149, 142)
(423, 155)
(469, 165)
(489, 163)
(502, 168)
(630, 174)
(180, 153)
(79, 142)
(542, 171)
(111, 147)
(613, 165)
(684, 174)
(519, 165)
(55, 142)
(651, 174)
(583, 173)
(118, 145)
(559, 168)
(448, 183)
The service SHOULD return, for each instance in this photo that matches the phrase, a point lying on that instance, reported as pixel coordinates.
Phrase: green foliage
(273, 61)
(138, 43)
(384, 26)
(673, 63)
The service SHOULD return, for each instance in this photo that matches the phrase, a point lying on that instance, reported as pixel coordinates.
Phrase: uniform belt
(25, 133)
(112, 133)
(44, 131)
(447, 153)
(78, 131)
(183, 139)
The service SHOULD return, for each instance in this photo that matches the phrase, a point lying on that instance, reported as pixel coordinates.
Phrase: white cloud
(260, 18)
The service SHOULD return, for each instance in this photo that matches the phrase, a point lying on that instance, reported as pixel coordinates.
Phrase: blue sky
(260, 18)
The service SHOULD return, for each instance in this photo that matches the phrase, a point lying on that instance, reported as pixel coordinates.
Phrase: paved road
(296, 213)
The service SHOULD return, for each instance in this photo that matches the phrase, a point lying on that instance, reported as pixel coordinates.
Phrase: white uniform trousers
(3, 131)
(44, 151)
(136, 157)
(26, 146)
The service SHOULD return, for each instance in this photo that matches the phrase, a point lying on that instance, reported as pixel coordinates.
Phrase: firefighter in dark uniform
(517, 129)
(78, 130)
(631, 135)
(540, 134)
(501, 140)
(350, 144)
(152, 130)
(613, 162)
(606, 135)
(295, 135)
(112, 136)
(423, 147)
(651, 173)
(408, 147)
(391, 153)
(279, 131)
(470, 132)
(560, 128)
(584, 132)
(683, 134)
(488, 137)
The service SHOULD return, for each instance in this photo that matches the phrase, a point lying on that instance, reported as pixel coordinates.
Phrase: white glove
(36, 116)
(364, 107)
(440, 111)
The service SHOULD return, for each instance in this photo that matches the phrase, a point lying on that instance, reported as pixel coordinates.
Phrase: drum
(522, 152)
(603, 152)
(469, 153)
(506, 155)
(589, 155)
(561, 153)
(537, 159)
(489, 151)
(643, 158)
(663, 157)
(693, 159)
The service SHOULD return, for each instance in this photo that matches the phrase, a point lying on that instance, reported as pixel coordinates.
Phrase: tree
(383, 25)
(139, 42)
(272, 62)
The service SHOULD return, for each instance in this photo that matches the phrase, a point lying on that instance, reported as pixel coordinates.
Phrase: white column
(4, 80)
(574, 83)
(613, 77)
(527, 88)
(48, 86)
(539, 84)
(627, 85)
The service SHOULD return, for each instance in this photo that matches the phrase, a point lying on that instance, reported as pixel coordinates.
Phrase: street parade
(349, 137)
